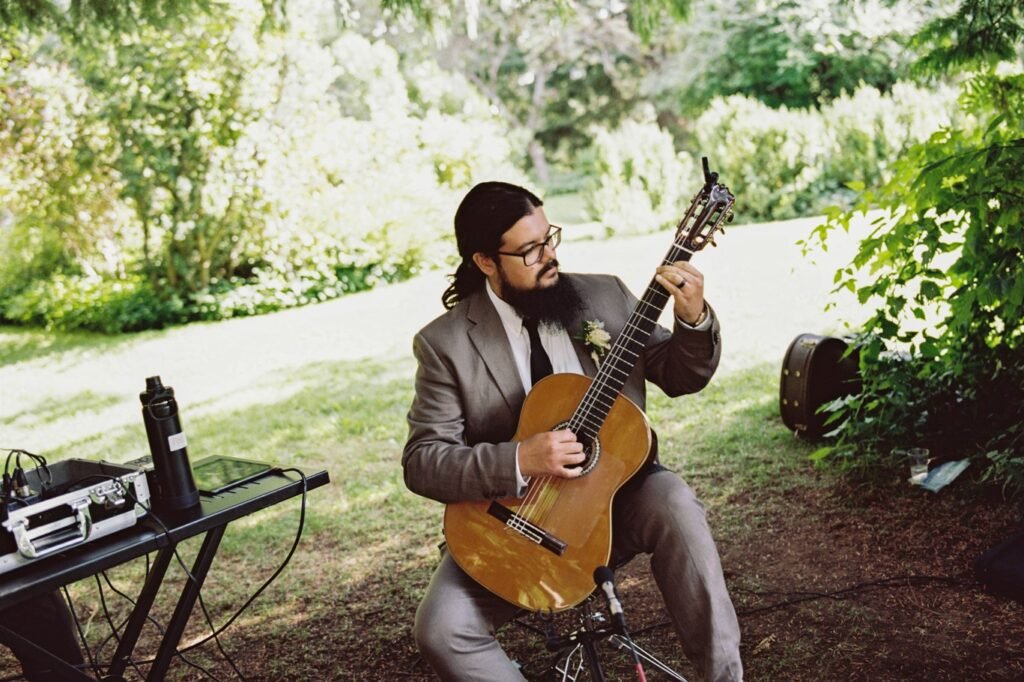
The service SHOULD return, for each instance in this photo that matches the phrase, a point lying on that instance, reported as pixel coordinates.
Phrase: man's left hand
(686, 285)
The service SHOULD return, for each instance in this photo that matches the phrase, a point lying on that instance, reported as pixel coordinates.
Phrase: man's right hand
(551, 453)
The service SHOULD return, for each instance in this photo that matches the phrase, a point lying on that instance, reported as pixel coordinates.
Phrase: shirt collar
(510, 317)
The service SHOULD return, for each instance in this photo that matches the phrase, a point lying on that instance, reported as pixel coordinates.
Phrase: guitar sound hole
(592, 450)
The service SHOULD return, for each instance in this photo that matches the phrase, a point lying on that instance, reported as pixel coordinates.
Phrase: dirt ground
(886, 574)
(831, 582)
(886, 617)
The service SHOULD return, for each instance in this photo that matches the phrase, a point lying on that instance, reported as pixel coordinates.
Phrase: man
(512, 313)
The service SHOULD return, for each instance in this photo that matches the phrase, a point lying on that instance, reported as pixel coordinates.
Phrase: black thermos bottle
(177, 487)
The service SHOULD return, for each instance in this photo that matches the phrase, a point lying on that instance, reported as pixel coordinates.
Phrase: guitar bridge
(528, 530)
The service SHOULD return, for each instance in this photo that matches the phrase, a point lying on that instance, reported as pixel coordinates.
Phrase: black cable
(38, 459)
(110, 622)
(216, 638)
(156, 624)
(78, 626)
(106, 613)
(167, 532)
(867, 586)
(192, 578)
(284, 563)
(639, 667)
(214, 631)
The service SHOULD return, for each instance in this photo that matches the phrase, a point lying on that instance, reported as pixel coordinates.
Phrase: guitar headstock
(710, 209)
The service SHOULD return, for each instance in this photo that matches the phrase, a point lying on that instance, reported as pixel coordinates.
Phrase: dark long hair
(485, 214)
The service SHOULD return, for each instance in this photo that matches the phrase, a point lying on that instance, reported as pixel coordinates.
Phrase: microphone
(605, 579)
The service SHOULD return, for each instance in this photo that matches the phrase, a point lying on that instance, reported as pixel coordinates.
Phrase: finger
(564, 436)
(676, 276)
(686, 266)
(689, 272)
(671, 287)
(566, 458)
(686, 269)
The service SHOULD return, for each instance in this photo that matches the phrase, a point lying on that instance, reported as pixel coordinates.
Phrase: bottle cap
(155, 390)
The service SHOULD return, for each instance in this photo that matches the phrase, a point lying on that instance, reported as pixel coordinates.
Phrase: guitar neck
(618, 363)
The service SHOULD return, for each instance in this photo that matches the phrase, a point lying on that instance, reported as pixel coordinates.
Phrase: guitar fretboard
(622, 357)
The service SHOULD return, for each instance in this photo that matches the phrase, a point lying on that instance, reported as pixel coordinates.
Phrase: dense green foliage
(641, 181)
(219, 170)
(790, 162)
(943, 356)
(788, 53)
(77, 16)
(781, 163)
(206, 160)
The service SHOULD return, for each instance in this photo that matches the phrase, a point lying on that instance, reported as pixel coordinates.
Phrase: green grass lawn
(343, 608)
(367, 538)
(19, 344)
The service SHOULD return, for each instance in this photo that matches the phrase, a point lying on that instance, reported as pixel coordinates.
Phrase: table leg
(61, 668)
(132, 630)
(189, 594)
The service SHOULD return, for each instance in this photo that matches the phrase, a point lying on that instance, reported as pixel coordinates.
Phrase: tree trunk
(540, 161)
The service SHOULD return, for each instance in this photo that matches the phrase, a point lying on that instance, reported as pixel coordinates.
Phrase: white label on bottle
(176, 442)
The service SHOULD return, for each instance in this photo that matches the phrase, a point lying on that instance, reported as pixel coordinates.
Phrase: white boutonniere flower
(596, 339)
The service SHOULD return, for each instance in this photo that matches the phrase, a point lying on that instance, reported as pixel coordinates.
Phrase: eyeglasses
(533, 254)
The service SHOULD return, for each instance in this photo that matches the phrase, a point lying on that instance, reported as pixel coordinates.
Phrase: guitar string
(601, 381)
(543, 495)
(540, 508)
(527, 509)
(548, 489)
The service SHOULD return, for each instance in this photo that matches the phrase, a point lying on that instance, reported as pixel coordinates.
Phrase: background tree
(176, 105)
(246, 170)
(549, 74)
(786, 53)
(947, 268)
(75, 16)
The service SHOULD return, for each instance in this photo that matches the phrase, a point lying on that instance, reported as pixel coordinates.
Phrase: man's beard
(557, 305)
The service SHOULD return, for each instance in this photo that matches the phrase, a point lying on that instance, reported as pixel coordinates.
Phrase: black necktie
(540, 363)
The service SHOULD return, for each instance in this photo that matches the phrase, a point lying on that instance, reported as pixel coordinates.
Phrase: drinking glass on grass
(918, 459)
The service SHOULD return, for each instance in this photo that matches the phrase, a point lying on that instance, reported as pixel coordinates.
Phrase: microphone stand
(604, 578)
(585, 640)
(593, 628)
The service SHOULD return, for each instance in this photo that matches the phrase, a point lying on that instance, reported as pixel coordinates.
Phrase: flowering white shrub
(641, 182)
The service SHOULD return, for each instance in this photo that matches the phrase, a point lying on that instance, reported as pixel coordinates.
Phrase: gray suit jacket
(468, 392)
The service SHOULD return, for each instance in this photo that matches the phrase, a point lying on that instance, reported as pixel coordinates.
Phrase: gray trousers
(657, 515)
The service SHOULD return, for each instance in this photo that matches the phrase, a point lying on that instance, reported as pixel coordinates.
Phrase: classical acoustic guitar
(540, 550)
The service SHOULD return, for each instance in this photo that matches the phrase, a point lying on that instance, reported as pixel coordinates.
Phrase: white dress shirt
(556, 342)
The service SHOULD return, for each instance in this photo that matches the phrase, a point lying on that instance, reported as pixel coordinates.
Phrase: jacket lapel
(575, 332)
(488, 337)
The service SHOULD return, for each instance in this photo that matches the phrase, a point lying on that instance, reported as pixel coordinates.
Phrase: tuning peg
(728, 216)
(712, 240)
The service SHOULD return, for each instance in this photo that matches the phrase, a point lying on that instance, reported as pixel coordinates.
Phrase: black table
(211, 518)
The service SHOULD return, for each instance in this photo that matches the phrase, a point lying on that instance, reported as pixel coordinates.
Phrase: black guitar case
(814, 372)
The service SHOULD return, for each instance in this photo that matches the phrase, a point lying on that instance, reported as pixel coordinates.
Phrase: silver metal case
(75, 502)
